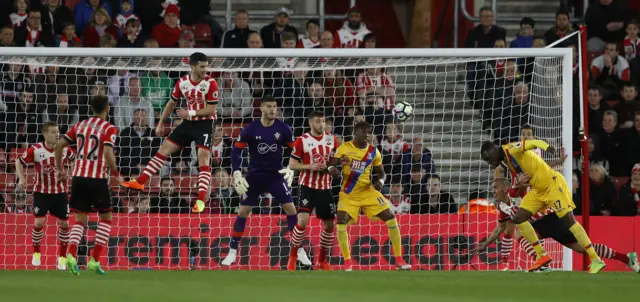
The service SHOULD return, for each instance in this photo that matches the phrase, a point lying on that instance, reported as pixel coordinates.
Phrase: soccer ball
(402, 111)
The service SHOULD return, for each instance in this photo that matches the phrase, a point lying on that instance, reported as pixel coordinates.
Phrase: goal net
(438, 185)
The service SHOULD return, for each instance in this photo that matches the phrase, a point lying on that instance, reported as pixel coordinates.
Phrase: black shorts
(320, 200)
(56, 204)
(553, 227)
(190, 131)
(90, 195)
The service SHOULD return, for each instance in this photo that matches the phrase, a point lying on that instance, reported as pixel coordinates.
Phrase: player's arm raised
(530, 145)
(482, 245)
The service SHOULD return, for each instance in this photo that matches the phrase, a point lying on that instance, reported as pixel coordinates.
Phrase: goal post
(444, 121)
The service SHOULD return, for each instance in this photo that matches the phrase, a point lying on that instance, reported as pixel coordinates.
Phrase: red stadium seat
(7, 182)
(231, 129)
(186, 184)
(202, 34)
(14, 153)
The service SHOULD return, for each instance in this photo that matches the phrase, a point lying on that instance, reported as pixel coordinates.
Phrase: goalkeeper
(546, 225)
(265, 139)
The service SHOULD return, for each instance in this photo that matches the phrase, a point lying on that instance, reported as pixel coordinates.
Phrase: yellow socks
(394, 235)
(584, 241)
(343, 241)
(527, 231)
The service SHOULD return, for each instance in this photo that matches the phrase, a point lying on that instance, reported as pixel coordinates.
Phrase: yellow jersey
(520, 158)
(356, 172)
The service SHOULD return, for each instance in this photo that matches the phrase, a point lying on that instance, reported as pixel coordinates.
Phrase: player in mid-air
(49, 195)
(311, 153)
(94, 140)
(201, 94)
(360, 192)
(548, 189)
(265, 139)
(546, 225)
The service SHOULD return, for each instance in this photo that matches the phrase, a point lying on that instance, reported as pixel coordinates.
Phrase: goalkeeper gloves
(288, 175)
(240, 183)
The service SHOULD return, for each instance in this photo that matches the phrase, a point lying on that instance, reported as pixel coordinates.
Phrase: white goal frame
(450, 55)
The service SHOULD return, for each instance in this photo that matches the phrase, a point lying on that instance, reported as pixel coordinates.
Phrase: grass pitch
(311, 286)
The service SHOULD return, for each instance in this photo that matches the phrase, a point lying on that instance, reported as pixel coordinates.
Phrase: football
(402, 111)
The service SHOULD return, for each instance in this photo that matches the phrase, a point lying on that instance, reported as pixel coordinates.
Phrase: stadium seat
(186, 184)
(256, 107)
(202, 34)
(620, 181)
(14, 153)
(231, 129)
(7, 182)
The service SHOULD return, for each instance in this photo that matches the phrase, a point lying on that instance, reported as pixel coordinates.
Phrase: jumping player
(548, 189)
(201, 94)
(310, 155)
(266, 139)
(546, 225)
(94, 139)
(360, 192)
(49, 195)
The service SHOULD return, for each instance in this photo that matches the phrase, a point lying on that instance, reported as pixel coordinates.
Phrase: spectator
(610, 142)
(515, 113)
(482, 74)
(137, 142)
(236, 97)
(312, 38)
(339, 90)
(369, 41)
(108, 41)
(396, 153)
(131, 35)
(141, 205)
(576, 193)
(6, 37)
(435, 201)
(539, 42)
(228, 199)
(68, 38)
(602, 189)
(83, 12)
(31, 33)
(421, 156)
(52, 82)
(631, 43)
(14, 81)
(352, 32)
(63, 114)
(220, 148)
(156, 85)
(239, 35)
(99, 26)
(595, 154)
(629, 106)
(168, 201)
(261, 85)
(55, 16)
(629, 197)
(151, 43)
(399, 202)
(290, 91)
(561, 29)
(19, 205)
(132, 101)
(272, 33)
(605, 23)
(117, 83)
(630, 145)
(524, 38)
(375, 80)
(19, 16)
(187, 40)
(316, 100)
(497, 94)
(326, 40)
(126, 14)
(486, 33)
(26, 117)
(597, 108)
(610, 69)
(98, 86)
(417, 188)
(168, 32)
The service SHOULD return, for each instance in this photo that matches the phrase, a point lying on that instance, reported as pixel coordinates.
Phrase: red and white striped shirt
(395, 148)
(310, 149)
(91, 136)
(400, 206)
(306, 42)
(364, 81)
(43, 159)
(197, 94)
(507, 211)
(631, 48)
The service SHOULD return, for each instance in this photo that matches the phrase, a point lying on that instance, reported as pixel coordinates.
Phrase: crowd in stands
(34, 92)
(500, 89)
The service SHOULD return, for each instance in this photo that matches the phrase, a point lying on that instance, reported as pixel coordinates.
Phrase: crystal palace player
(201, 93)
(360, 192)
(49, 195)
(547, 225)
(265, 139)
(311, 152)
(548, 189)
(94, 139)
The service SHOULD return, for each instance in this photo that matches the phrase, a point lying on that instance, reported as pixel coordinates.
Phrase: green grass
(310, 286)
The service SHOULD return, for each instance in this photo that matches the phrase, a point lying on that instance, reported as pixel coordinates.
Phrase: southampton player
(548, 189)
(94, 139)
(311, 153)
(201, 94)
(49, 195)
(360, 192)
(546, 225)
(266, 139)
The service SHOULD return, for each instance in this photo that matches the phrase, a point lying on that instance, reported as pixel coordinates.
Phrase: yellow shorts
(370, 201)
(557, 196)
